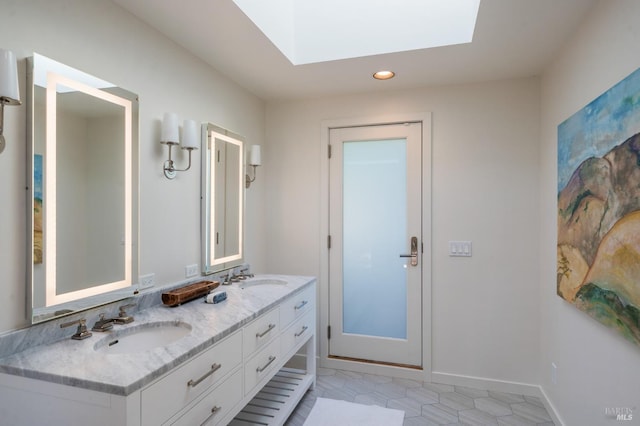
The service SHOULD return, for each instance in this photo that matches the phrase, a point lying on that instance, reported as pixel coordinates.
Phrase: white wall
(485, 189)
(100, 38)
(597, 369)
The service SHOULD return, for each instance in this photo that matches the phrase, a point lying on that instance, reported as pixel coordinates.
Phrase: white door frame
(323, 279)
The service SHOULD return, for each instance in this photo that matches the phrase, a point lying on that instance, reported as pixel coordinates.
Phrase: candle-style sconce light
(255, 160)
(171, 136)
(9, 89)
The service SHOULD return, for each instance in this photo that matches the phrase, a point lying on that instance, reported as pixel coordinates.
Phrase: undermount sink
(264, 283)
(143, 337)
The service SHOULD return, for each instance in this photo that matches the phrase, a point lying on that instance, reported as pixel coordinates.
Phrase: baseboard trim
(551, 409)
(487, 384)
(499, 386)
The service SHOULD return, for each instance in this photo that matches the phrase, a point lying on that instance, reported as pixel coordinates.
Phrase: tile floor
(424, 403)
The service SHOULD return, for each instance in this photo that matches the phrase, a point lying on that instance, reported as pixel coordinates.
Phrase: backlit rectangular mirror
(222, 195)
(83, 189)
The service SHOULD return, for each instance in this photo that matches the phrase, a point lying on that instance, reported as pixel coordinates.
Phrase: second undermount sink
(264, 283)
(143, 337)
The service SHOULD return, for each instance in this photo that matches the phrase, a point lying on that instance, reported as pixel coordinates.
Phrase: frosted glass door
(374, 204)
(375, 310)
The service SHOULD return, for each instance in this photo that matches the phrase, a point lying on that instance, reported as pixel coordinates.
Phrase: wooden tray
(189, 292)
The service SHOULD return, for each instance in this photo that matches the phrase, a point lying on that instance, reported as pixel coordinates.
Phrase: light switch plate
(460, 248)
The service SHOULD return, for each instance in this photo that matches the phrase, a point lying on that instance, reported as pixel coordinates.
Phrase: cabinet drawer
(167, 396)
(297, 333)
(216, 405)
(260, 332)
(261, 365)
(296, 306)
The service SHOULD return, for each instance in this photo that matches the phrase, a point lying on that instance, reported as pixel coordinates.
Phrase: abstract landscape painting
(598, 264)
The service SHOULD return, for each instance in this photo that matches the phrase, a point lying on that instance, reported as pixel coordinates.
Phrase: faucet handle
(103, 324)
(123, 312)
(225, 279)
(81, 332)
(244, 273)
(123, 317)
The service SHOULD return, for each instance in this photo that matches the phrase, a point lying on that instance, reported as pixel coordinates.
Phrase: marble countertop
(76, 363)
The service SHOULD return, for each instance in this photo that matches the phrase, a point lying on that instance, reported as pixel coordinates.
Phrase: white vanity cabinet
(278, 390)
(214, 387)
(260, 332)
(257, 368)
(297, 305)
(171, 393)
(215, 405)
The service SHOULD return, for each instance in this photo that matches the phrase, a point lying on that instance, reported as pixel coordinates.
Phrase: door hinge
(329, 151)
(328, 332)
(328, 241)
(209, 141)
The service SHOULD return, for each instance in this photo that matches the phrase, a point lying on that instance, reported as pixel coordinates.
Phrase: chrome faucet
(81, 331)
(243, 274)
(224, 279)
(123, 317)
(106, 324)
(103, 324)
(229, 278)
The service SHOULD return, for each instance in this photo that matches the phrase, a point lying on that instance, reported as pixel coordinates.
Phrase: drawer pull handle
(271, 327)
(301, 331)
(301, 305)
(214, 411)
(193, 383)
(264, 367)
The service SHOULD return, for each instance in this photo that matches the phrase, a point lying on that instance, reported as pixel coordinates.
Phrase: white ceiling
(513, 38)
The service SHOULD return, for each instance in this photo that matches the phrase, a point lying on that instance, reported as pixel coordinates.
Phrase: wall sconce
(170, 137)
(9, 89)
(255, 160)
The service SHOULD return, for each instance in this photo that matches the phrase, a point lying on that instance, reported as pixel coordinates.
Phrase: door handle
(414, 252)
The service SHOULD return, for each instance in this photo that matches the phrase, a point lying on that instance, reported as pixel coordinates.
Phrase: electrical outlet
(147, 281)
(191, 270)
(554, 373)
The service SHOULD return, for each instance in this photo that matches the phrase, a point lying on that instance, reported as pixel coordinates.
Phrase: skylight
(309, 31)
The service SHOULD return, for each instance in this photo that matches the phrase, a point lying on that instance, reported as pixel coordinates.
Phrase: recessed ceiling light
(384, 75)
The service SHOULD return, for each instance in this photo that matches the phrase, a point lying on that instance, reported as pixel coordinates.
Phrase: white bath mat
(331, 412)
